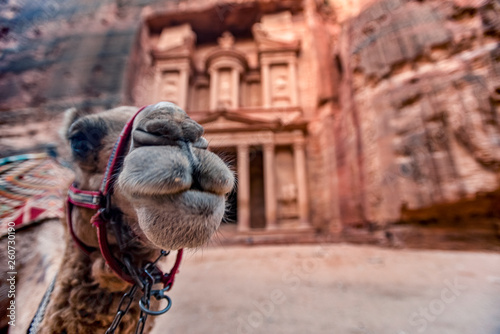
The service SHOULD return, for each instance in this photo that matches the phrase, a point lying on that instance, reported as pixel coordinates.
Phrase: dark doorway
(257, 200)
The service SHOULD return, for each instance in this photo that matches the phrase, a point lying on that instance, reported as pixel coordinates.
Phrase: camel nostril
(195, 185)
(143, 138)
(164, 127)
(155, 132)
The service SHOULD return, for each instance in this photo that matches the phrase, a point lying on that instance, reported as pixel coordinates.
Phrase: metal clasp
(159, 295)
(149, 281)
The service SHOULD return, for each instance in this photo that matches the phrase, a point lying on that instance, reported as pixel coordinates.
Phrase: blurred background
(371, 122)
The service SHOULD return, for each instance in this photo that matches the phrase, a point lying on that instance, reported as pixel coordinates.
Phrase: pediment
(222, 123)
(232, 121)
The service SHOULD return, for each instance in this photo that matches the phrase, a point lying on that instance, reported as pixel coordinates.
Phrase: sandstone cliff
(417, 135)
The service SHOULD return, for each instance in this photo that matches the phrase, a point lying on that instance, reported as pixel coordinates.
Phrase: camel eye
(80, 145)
(85, 138)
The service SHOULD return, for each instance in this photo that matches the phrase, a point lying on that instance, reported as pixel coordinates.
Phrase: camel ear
(70, 116)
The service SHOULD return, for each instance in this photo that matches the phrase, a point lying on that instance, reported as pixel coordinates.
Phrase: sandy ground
(334, 289)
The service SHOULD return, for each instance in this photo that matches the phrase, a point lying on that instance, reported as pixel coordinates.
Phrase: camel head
(170, 191)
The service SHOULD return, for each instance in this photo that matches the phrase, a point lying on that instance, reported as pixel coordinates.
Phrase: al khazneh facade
(243, 87)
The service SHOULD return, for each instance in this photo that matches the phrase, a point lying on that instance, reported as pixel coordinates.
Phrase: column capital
(299, 142)
(243, 147)
(298, 138)
(211, 71)
(268, 145)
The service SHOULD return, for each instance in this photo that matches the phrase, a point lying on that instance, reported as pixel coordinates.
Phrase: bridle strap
(168, 280)
(100, 201)
(102, 237)
(83, 247)
(84, 198)
(116, 154)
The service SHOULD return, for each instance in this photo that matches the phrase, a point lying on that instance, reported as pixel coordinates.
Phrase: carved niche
(280, 86)
(253, 89)
(200, 91)
(225, 65)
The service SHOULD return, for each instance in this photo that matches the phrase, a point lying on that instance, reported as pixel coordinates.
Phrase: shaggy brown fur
(86, 297)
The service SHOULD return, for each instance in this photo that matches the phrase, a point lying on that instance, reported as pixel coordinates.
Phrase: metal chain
(126, 300)
(142, 322)
(146, 284)
(143, 317)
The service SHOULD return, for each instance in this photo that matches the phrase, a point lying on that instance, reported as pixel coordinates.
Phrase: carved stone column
(243, 189)
(292, 68)
(301, 176)
(157, 85)
(235, 77)
(270, 186)
(214, 84)
(183, 87)
(266, 85)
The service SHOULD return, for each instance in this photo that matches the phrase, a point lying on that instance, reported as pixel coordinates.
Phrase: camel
(168, 194)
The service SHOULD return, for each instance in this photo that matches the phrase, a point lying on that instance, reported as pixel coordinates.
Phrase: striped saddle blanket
(31, 189)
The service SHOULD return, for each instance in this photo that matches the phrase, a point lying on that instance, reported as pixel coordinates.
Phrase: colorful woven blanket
(31, 189)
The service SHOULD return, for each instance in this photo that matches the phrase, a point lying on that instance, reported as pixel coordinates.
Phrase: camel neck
(86, 296)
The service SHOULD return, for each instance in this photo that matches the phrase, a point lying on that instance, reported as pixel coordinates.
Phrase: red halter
(100, 201)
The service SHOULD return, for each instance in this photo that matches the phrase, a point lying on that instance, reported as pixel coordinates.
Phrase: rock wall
(61, 54)
(419, 120)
